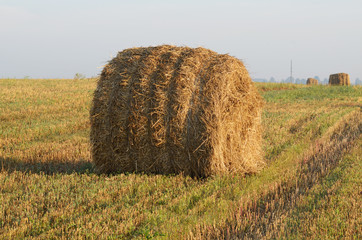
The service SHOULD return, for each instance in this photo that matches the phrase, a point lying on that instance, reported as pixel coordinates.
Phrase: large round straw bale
(170, 109)
(339, 79)
(312, 81)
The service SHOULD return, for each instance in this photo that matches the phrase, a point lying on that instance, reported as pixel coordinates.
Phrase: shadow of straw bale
(49, 168)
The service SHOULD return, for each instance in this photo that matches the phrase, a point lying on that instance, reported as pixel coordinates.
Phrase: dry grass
(44, 124)
(176, 110)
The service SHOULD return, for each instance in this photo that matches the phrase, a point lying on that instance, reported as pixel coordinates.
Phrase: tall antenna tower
(291, 71)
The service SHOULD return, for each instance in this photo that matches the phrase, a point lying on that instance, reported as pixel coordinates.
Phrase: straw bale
(170, 109)
(312, 81)
(339, 79)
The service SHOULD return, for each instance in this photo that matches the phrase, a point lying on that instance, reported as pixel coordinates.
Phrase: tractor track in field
(263, 218)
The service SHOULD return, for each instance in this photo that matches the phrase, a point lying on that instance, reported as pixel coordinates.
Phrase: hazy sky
(58, 38)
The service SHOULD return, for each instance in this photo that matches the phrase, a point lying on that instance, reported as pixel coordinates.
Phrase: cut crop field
(310, 188)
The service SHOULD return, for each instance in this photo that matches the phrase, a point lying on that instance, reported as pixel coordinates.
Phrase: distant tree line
(325, 81)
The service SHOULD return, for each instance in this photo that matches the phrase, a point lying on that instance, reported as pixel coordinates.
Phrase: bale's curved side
(173, 109)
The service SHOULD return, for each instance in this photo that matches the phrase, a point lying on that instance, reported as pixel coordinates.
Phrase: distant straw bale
(170, 109)
(339, 79)
(312, 81)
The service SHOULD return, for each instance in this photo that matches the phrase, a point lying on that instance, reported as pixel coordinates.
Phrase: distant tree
(289, 80)
(272, 79)
(358, 81)
(260, 80)
(78, 76)
(316, 77)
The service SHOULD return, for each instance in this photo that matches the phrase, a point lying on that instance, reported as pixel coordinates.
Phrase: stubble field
(310, 188)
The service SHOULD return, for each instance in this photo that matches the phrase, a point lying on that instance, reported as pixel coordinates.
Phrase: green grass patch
(332, 209)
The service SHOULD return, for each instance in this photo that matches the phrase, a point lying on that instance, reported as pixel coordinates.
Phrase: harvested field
(309, 187)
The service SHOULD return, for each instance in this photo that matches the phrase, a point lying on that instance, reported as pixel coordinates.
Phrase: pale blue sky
(58, 38)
